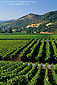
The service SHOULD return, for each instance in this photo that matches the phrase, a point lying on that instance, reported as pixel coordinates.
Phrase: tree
(10, 30)
(38, 31)
(5, 31)
(2, 31)
(16, 29)
(28, 31)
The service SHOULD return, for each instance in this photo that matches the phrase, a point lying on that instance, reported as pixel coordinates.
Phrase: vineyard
(15, 73)
(13, 36)
(28, 60)
(33, 50)
(9, 46)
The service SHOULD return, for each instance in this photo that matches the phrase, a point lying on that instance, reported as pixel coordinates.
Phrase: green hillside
(34, 23)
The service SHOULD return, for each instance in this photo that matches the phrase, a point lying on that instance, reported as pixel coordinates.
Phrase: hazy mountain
(6, 21)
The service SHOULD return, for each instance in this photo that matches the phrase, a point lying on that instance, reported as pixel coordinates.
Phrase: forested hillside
(33, 23)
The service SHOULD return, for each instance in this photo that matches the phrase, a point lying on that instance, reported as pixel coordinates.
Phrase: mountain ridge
(41, 23)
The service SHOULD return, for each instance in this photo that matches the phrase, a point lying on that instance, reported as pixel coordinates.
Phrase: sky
(14, 9)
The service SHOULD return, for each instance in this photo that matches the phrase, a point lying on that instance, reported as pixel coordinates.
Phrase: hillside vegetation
(33, 23)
